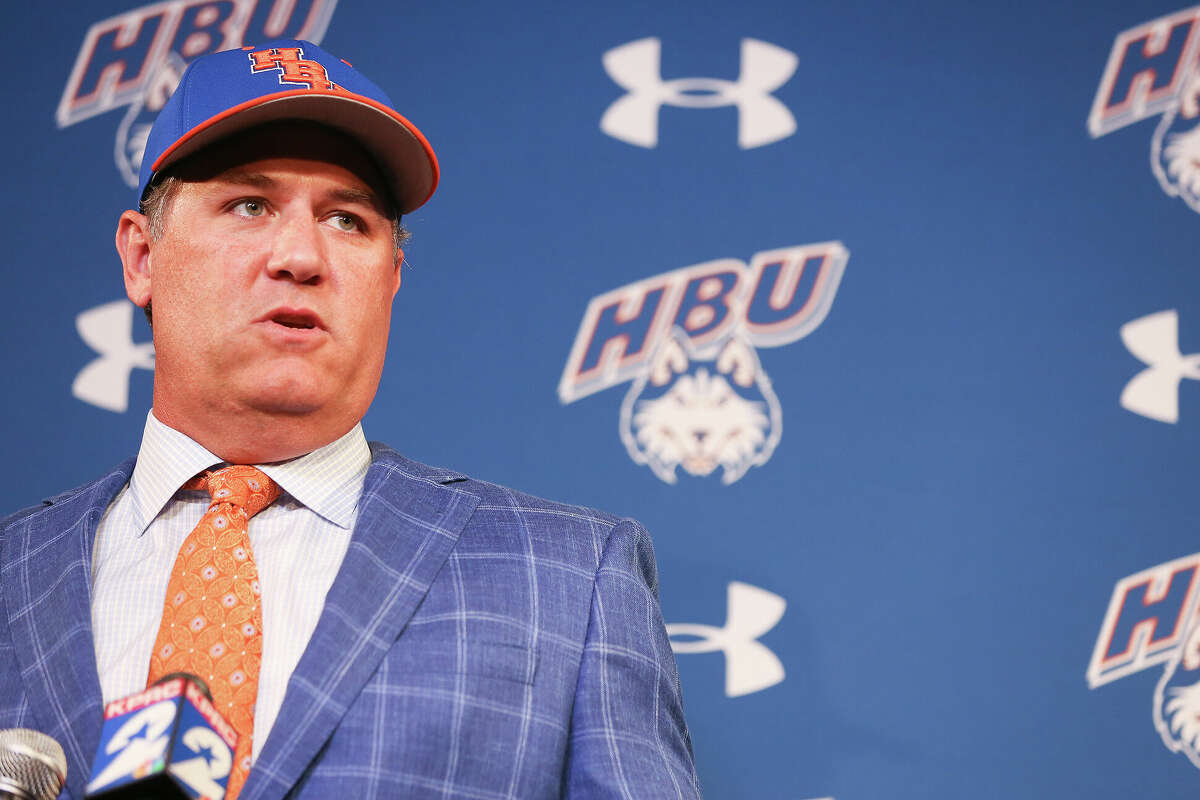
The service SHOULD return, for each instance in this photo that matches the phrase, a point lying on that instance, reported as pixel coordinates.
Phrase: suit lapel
(45, 577)
(407, 525)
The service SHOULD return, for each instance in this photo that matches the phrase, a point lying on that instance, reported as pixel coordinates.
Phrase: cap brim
(400, 149)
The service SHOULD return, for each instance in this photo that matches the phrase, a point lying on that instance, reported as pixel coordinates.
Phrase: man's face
(272, 281)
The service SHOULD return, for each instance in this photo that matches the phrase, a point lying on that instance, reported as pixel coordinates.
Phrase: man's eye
(250, 208)
(344, 222)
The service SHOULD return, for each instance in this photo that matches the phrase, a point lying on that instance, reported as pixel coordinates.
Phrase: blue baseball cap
(223, 93)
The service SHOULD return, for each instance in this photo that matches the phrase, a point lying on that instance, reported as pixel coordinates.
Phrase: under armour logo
(1154, 340)
(750, 666)
(108, 329)
(762, 119)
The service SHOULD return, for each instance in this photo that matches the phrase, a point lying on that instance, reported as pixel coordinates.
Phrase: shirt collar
(328, 481)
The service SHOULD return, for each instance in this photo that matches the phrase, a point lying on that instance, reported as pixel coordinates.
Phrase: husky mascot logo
(1152, 70)
(1175, 148)
(1177, 700)
(1152, 619)
(686, 341)
(701, 414)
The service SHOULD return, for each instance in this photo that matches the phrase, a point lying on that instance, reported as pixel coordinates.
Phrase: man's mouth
(290, 321)
(296, 319)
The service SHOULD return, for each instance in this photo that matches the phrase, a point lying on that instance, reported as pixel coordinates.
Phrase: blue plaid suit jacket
(477, 643)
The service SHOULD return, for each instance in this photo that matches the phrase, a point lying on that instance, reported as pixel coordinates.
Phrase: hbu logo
(136, 58)
(635, 67)
(700, 398)
(1154, 340)
(750, 666)
(293, 68)
(1152, 70)
(1151, 620)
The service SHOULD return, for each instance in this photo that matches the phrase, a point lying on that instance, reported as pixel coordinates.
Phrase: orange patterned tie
(212, 617)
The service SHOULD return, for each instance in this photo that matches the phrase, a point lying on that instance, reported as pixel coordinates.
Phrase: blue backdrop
(879, 316)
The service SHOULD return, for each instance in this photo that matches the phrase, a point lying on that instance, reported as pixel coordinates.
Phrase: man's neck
(252, 437)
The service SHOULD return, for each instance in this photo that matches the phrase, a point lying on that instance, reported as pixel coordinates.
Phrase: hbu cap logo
(750, 666)
(1154, 392)
(293, 68)
(762, 119)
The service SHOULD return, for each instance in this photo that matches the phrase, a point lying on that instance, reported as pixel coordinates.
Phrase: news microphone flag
(167, 741)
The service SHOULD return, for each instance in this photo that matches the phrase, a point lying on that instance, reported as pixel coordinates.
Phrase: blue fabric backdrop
(941, 471)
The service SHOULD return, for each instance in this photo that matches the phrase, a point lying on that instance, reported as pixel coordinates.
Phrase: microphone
(165, 742)
(32, 765)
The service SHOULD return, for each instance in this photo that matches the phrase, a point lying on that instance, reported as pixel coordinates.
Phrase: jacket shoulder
(103, 489)
(567, 533)
(491, 496)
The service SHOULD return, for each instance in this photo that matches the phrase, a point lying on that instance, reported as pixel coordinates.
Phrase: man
(371, 626)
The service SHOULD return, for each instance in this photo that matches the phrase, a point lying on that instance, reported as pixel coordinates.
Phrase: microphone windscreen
(32, 765)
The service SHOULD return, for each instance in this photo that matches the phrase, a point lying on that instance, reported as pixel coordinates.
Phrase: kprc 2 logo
(1152, 71)
(687, 341)
(1152, 620)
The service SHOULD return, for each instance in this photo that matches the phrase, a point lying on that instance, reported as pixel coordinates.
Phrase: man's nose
(297, 252)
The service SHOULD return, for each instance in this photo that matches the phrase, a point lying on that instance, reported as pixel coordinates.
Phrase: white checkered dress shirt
(299, 542)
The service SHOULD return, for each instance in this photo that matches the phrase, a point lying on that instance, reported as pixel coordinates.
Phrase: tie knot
(244, 487)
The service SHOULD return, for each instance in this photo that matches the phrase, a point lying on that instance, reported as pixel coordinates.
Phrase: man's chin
(288, 394)
(285, 405)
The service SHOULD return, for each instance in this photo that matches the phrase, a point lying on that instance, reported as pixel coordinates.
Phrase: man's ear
(399, 264)
(133, 245)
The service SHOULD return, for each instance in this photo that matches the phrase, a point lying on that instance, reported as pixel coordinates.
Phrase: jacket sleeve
(628, 737)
